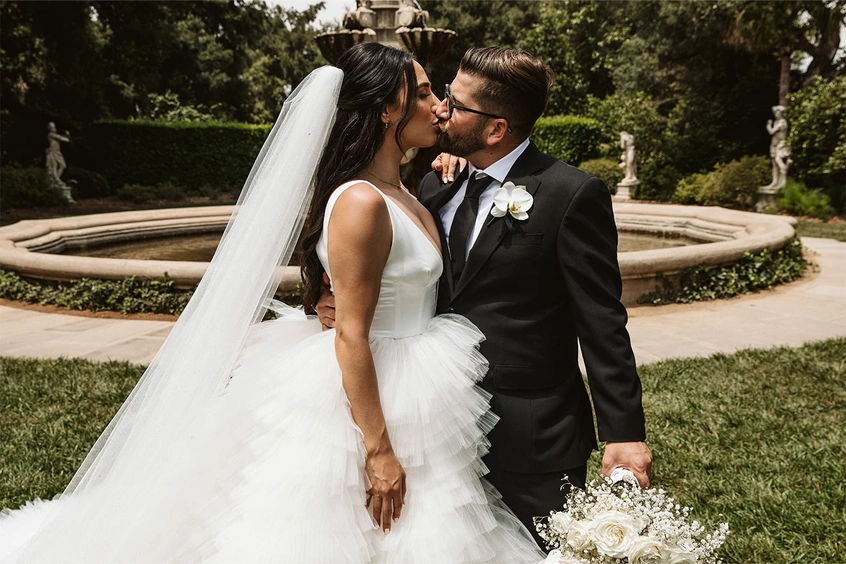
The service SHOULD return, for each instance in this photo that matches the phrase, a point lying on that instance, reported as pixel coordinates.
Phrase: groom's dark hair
(513, 84)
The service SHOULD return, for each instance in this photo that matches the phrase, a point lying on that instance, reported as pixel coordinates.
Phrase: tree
(783, 28)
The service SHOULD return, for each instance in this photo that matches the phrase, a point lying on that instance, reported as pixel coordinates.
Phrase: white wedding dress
(273, 470)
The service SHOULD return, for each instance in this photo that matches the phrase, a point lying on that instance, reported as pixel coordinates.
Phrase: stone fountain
(397, 23)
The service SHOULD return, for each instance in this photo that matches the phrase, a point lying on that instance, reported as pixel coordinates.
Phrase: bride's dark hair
(374, 78)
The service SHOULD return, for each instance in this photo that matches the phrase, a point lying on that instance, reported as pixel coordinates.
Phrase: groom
(537, 284)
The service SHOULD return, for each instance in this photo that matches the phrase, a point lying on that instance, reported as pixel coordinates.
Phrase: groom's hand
(448, 165)
(326, 306)
(635, 456)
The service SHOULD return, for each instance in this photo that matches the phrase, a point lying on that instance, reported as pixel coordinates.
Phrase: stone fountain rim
(743, 232)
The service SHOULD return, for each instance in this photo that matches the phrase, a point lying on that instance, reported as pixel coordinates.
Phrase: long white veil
(125, 467)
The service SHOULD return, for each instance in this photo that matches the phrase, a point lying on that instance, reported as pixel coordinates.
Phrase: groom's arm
(587, 256)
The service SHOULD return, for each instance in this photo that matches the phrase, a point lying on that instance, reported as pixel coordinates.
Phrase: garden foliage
(731, 185)
(817, 136)
(797, 199)
(572, 139)
(129, 295)
(753, 272)
(606, 169)
(188, 154)
(28, 187)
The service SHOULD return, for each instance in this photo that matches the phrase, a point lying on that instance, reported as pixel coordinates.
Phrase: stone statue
(55, 161)
(628, 162)
(410, 16)
(362, 18)
(780, 158)
(778, 131)
(628, 158)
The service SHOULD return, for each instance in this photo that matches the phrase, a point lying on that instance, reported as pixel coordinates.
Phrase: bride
(274, 441)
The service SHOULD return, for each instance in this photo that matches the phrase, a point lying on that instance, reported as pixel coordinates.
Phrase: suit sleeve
(587, 255)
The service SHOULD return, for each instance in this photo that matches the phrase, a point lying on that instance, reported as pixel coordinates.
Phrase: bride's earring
(387, 124)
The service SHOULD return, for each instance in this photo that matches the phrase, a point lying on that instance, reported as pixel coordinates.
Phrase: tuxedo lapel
(444, 194)
(495, 229)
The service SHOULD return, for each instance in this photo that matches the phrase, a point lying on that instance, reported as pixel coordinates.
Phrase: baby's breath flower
(619, 523)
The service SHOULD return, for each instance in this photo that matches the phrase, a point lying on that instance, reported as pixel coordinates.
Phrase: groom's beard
(462, 145)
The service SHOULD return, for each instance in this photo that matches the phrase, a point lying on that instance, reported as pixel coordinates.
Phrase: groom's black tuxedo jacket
(536, 288)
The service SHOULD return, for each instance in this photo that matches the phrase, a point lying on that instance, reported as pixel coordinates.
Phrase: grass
(832, 229)
(757, 438)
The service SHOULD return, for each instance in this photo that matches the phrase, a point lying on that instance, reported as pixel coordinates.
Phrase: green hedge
(217, 155)
(732, 185)
(187, 154)
(572, 139)
(29, 187)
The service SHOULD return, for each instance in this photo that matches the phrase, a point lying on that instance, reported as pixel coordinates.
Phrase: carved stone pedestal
(624, 190)
(766, 199)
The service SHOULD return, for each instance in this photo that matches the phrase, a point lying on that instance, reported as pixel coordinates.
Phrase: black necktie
(464, 221)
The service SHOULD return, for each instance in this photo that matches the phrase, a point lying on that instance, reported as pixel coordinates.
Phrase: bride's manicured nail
(387, 531)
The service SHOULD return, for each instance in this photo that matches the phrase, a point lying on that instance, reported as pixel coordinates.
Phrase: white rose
(613, 532)
(681, 556)
(560, 522)
(648, 550)
(578, 536)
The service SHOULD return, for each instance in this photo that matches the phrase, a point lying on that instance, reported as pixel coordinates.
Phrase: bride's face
(422, 129)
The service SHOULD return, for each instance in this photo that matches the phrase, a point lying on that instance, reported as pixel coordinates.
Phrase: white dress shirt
(498, 170)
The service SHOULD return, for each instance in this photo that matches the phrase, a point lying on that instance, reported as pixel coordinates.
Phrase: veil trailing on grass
(115, 491)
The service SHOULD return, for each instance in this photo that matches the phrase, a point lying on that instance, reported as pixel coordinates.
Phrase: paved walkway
(809, 310)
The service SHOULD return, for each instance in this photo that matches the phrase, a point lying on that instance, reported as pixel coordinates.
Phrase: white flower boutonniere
(513, 200)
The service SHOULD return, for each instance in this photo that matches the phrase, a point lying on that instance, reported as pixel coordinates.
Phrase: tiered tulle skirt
(274, 471)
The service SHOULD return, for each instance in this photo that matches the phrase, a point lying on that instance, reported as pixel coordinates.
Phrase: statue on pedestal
(55, 161)
(628, 162)
(780, 158)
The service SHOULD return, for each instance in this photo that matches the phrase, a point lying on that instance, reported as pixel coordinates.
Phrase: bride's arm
(359, 241)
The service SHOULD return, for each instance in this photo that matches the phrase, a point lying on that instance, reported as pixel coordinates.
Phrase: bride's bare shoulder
(361, 207)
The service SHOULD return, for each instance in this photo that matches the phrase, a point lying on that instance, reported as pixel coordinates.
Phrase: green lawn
(756, 438)
(826, 230)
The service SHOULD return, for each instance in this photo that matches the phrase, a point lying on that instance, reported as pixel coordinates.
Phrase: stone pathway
(809, 310)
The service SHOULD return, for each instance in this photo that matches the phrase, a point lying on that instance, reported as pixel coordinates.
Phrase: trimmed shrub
(606, 169)
(797, 199)
(29, 187)
(732, 185)
(187, 154)
(86, 183)
(572, 139)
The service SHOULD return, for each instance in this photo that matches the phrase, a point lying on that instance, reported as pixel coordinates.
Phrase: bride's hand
(448, 165)
(387, 489)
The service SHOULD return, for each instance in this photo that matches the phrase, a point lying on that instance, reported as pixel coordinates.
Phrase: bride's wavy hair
(374, 78)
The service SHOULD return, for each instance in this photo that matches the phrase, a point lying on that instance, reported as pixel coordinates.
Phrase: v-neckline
(419, 228)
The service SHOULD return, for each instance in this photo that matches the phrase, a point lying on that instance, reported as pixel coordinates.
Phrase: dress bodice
(408, 292)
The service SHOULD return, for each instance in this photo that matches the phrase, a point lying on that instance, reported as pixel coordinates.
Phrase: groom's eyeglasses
(453, 106)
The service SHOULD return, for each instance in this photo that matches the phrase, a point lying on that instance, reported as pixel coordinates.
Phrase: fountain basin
(29, 247)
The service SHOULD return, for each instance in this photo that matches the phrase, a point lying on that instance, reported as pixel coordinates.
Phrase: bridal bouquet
(615, 521)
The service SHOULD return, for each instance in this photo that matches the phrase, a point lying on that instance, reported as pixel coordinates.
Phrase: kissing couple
(444, 407)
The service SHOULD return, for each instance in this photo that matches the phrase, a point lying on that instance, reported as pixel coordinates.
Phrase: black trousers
(535, 495)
